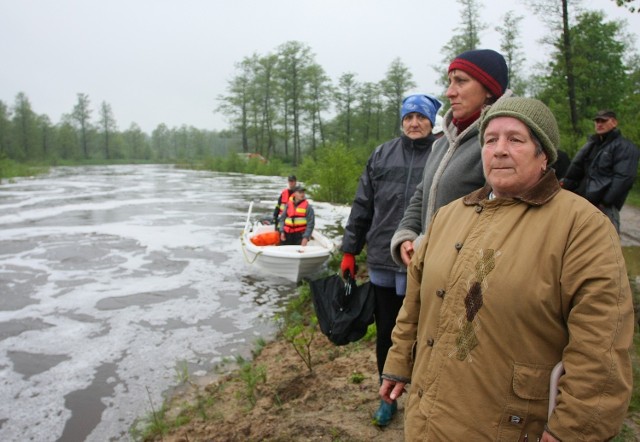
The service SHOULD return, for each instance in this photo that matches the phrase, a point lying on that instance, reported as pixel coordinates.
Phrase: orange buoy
(266, 239)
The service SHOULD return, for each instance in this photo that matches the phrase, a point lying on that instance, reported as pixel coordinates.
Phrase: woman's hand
(391, 390)
(406, 252)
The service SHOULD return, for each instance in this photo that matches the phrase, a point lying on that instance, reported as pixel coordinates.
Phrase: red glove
(348, 264)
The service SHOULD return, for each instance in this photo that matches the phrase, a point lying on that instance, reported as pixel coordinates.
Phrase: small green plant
(626, 435)
(298, 324)
(154, 424)
(371, 334)
(260, 344)
(251, 376)
(182, 372)
(356, 377)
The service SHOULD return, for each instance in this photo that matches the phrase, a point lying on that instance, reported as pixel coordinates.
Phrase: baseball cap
(604, 114)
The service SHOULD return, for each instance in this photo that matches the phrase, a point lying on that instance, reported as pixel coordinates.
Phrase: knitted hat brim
(547, 144)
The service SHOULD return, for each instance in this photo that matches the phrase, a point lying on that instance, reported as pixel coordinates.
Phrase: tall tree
(45, 130)
(555, 14)
(82, 116)
(236, 103)
(511, 49)
(629, 108)
(136, 143)
(254, 104)
(465, 38)
(66, 140)
(601, 76)
(397, 81)
(294, 63)
(5, 129)
(107, 127)
(268, 96)
(320, 90)
(25, 129)
(370, 110)
(345, 97)
(631, 5)
(161, 142)
(568, 60)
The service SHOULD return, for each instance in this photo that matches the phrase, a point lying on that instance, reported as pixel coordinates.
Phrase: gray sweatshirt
(453, 170)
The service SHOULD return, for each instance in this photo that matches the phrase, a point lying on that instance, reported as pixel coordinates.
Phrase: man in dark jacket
(389, 179)
(604, 169)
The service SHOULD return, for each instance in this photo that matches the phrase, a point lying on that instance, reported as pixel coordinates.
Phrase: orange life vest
(285, 196)
(296, 220)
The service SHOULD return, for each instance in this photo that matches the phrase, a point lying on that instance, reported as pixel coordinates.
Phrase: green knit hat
(535, 114)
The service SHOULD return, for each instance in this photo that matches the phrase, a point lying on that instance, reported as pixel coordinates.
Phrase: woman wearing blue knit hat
(385, 187)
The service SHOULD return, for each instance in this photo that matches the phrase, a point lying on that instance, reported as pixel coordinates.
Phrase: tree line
(26, 136)
(277, 101)
(285, 107)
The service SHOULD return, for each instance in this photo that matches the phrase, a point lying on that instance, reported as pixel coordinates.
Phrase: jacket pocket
(526, 409)
(604, 163)
(531, 381)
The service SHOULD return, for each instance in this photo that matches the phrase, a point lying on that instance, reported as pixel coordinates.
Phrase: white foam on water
(159, 280)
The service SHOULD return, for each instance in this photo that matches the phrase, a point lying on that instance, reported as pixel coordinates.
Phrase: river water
(113, 279)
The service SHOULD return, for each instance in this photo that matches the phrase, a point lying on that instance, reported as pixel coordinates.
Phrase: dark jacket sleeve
(276, 210)
(625, 169)
(311, 222)
(562, 164)
(412, 219)
(283, 216)
(575, 172)
(361, 215)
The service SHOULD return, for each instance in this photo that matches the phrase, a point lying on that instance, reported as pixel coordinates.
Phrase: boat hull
(290, 262)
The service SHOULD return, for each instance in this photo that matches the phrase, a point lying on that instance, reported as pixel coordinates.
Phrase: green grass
(12, 169)
(633, 198)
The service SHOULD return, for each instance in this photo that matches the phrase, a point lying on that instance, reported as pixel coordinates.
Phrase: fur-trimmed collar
(541, 193)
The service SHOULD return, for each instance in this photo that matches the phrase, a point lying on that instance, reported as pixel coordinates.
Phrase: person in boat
(297, 221)
(389, 179)
(510, 280)
(284, 197)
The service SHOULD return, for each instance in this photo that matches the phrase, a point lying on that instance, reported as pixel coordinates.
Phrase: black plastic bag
(344, 309)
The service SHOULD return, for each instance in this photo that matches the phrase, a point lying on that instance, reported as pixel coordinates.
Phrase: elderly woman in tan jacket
(510, 280)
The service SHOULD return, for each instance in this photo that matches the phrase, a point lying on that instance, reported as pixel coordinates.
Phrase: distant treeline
(280, 102)
(26, 136)
(283, 106)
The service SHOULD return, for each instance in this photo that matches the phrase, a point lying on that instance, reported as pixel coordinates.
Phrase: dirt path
(630, 226)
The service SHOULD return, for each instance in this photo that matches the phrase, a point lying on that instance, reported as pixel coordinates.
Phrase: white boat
(290, 262)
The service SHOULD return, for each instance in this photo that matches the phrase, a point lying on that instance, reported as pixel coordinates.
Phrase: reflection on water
(109, 276)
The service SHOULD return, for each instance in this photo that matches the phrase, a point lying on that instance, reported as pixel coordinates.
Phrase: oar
(246, 224)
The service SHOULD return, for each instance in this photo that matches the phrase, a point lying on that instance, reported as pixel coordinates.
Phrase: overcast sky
(167, 61)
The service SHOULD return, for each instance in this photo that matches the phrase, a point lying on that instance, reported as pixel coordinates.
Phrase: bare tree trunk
(571, 87)
(286, 128)
(106, 144)
(83, 134)
(245, 135)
